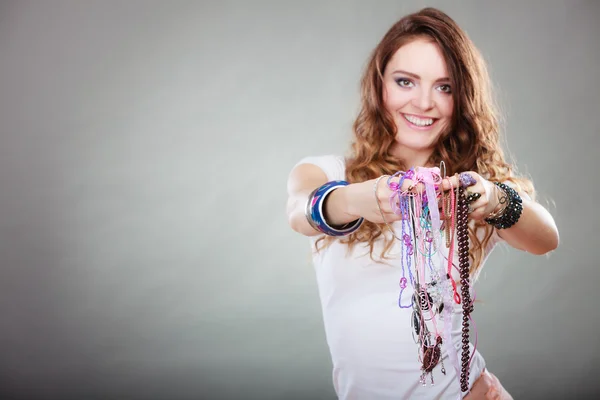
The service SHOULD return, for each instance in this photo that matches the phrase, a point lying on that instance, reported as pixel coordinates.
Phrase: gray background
(144, 151)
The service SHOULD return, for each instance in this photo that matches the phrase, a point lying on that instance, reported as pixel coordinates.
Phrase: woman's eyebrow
(444, 79)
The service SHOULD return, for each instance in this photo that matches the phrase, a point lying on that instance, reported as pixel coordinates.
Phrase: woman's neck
(413, 158)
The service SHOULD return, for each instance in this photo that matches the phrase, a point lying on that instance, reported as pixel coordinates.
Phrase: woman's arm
(535, 232)
(303, 179)
(343, 205)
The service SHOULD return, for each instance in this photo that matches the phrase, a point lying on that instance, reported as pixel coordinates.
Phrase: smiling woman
(396, 298)
(418, 102)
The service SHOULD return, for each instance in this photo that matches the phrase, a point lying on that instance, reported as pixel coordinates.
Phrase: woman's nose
(423, 100)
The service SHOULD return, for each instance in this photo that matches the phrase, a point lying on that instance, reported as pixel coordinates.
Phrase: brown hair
(471, 142)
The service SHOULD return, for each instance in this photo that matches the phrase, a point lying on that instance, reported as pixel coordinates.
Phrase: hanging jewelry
(467, 305)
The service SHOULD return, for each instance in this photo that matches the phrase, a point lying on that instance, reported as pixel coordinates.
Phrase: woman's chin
(415, 147)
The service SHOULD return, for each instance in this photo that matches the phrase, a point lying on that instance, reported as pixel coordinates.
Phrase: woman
(426, 108)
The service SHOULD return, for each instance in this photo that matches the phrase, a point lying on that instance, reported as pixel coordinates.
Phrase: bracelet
(502, 202)
(315, 216)
(510, 214)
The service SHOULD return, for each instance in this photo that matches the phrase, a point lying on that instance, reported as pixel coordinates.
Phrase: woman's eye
(445, 89)
(402, 82)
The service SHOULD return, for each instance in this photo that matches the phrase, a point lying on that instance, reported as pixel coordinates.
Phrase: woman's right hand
(370, 199)
(343, 205)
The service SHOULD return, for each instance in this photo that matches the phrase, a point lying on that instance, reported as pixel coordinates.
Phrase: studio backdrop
(144, 153)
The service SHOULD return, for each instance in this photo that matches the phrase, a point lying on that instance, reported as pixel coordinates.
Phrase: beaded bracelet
(315, 216)
(511, 212)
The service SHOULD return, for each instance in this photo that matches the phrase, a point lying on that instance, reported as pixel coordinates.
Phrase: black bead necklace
(464, 266)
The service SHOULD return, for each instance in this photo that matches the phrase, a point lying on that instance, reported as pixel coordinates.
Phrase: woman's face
(417, 93)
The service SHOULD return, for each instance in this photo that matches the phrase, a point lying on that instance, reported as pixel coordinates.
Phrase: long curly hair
(470, 143)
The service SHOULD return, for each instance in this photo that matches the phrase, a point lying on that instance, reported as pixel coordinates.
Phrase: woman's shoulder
(333, 165)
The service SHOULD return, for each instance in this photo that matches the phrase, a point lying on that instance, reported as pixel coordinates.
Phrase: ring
(470, 209)
(466, 179)
(472, 197)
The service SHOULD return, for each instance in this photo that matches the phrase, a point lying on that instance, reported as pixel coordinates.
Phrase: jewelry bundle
(423, 225)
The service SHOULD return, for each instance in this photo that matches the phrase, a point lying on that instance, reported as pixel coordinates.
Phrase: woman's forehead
(420, 57)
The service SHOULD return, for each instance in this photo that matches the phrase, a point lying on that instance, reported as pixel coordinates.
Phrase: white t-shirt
(370, 337)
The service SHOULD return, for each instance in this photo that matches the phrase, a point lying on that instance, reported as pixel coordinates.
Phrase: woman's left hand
(483, 194)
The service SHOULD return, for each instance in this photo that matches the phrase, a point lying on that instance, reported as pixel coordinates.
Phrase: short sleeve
(332, 165)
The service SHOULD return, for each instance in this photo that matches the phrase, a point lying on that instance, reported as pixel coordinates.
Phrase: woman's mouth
(419, 123)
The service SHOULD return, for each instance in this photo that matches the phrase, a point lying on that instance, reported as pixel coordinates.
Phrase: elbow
(550, 244)
(293, 217)
(295, 224)
(555, 242)
(298, 223)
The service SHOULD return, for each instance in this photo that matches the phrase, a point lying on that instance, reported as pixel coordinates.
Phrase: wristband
(511, 212)
(315, 214)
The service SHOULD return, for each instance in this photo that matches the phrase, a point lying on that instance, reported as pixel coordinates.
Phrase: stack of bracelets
(509, 214)
(315, 214)
(428, 271)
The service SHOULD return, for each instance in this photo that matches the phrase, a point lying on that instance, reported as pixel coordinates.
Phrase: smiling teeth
(419, 121)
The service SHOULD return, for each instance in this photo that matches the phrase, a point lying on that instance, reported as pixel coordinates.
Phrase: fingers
(384, 200)
(477, 196)
(497, 391)
(479, 389)
(492, 394)
(483, 388)
(475, 192)
(450, 182)
(478, 201)
(464, 179)
(488, 387)
(408, 185)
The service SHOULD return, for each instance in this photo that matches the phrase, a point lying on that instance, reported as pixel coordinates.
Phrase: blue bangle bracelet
(314, 211)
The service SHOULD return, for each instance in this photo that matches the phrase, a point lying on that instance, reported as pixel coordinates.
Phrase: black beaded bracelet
(511, 213)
